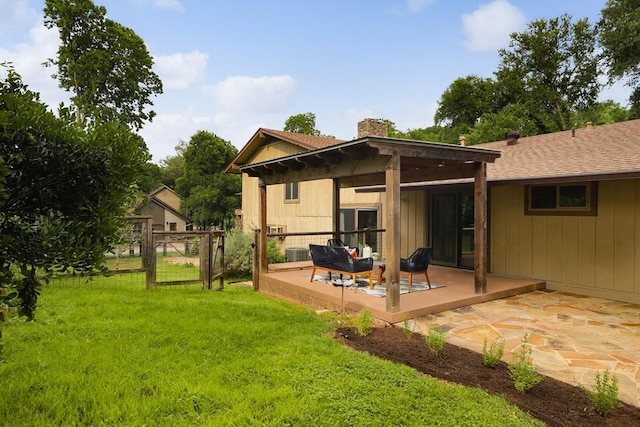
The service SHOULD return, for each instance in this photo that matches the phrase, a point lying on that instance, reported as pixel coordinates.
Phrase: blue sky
(230, 67)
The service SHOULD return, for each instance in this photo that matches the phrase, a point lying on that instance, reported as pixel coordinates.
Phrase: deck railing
(291, 250)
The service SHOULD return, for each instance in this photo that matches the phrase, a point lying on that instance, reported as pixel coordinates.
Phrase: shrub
(365, 322)
(238, 253)
(492, 354)
(604, 394)
(435, 340)
(407, 329)
(521, 368)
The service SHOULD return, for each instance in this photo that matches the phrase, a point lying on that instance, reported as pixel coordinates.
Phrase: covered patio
(385, 161)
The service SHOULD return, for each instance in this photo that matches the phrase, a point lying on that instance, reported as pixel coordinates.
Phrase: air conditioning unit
(296, 254)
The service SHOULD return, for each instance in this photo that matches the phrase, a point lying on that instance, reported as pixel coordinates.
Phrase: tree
(172, 167)
(105, 64)
(66, 191)
(556, 65)
(302, 123)
(210, 195)
(619, 29)
(465, 101)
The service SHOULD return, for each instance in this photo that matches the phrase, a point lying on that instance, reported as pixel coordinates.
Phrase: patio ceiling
(363, 162)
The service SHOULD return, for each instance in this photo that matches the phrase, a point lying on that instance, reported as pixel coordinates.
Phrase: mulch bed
(554, 402)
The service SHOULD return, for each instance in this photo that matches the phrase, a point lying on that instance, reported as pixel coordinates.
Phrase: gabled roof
(169, 208)
(581, 154)
(163, 187)
(264, 137)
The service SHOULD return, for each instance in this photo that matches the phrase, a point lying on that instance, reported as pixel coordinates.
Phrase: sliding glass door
(452, 229)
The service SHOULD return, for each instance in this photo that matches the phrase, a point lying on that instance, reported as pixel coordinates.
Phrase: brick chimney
(512, 137)
(372, 127)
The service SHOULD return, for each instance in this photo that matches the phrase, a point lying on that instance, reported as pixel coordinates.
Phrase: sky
(231, 67)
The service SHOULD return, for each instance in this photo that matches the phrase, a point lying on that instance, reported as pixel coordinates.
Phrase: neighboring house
(163, 206)
(563, 207)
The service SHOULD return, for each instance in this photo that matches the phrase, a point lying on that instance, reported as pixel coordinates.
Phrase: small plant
(435, 339)
(491, 354)
(521, 368)
(604, 394)
(365, 322)
(407, 328)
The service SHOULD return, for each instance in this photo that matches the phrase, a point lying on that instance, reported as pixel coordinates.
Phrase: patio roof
(363, 162)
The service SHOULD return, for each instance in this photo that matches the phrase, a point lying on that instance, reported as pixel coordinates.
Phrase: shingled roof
(265, 136)
(605, 151)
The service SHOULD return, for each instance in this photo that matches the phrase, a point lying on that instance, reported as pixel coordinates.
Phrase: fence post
(256, 259)
(221, 246)
(205, 259)
(148, 254)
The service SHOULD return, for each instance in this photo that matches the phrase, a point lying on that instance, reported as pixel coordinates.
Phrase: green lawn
(111, 353)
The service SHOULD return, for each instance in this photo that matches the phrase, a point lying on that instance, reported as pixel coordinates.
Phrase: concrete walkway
(572, 337)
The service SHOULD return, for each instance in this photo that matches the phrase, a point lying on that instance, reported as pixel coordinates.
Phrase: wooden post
(392, 182)
(480, 226)
(263, 227)
(221, 246)
(205, 260)
(256, 259)
(149, 253)
(336, 208)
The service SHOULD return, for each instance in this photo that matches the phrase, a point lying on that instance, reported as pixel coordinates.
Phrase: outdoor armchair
(336, 259)
(418, 262)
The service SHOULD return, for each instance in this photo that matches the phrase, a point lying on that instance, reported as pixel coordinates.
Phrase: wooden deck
(291, 285)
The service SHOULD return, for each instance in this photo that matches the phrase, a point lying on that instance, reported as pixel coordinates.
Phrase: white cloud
(181, 70)
(489, 27)
(27, 59)
(417, 5)
(169, 4)
(254, 94)
(14, 13)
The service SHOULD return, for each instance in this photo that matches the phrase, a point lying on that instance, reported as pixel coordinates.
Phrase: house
(562, 207)
(163, 206)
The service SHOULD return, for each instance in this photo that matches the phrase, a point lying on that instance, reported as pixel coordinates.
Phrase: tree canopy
(302, 123)
(65, 191)
(106, 65)
(209, 194)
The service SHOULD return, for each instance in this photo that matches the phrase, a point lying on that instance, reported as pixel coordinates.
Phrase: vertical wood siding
(591, 255)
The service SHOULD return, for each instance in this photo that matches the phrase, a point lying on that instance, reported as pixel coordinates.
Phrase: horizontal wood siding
(591, 255)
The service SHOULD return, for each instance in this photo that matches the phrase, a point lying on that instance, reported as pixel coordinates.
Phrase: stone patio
(572, 337)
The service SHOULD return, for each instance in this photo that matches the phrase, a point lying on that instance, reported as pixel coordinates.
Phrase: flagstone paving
(572, 337)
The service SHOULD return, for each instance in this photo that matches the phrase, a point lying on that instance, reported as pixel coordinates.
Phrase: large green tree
(65, 191)
(302, 123)
(106, 65)
(465, 101)
(209, 194)
(619, 30)
(552, 68)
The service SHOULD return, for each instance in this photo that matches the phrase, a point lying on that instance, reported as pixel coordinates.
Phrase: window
(561, 199)
(291, 192)
(173, 226)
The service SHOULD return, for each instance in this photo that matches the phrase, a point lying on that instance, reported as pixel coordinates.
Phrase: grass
(111, 353)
